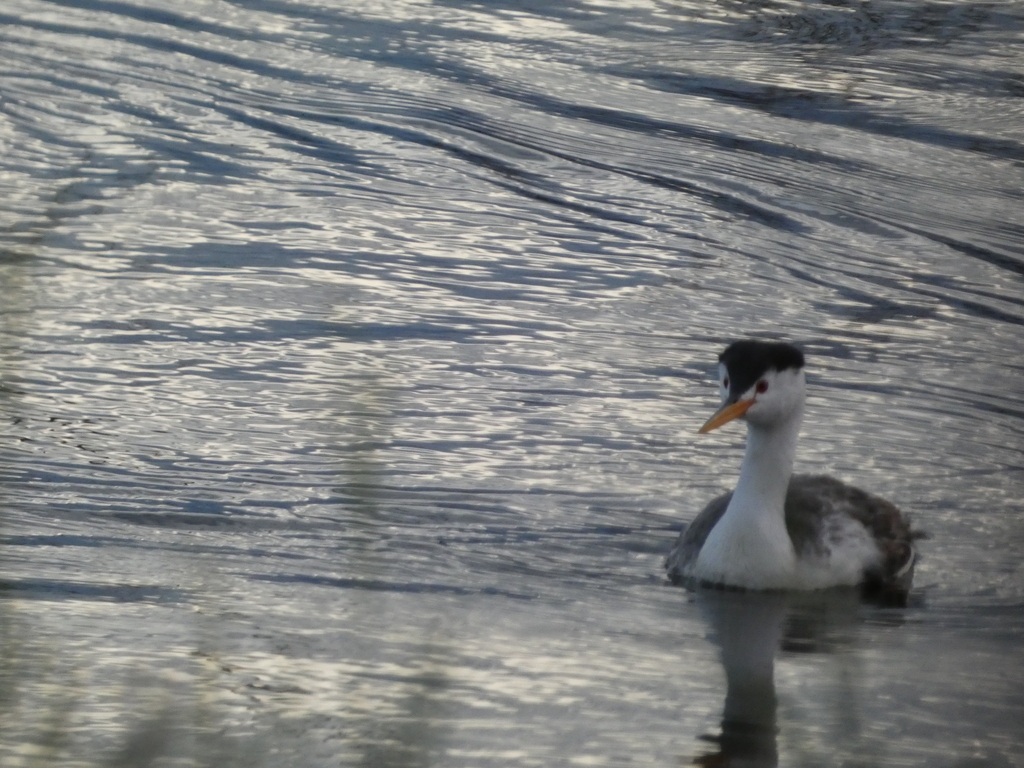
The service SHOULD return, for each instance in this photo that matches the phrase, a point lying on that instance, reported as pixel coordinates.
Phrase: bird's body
(776, 530)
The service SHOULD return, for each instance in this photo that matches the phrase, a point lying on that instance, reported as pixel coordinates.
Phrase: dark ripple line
(614, 118)
(64, 540)
(173, 139)
(46, 589)
(318, 147)
(880, 304)
(159, 44)
(967, 249)
(412, 136)
(716, 199)
(599, 115)
(972, 307)
(417, 491)
(634, 123)
(160, 16)
(373, 585)
(951, 284)
(114, 477)
(71, 540)
(55, 80)
(579, 276)
(800, 104)
(306, 330)
(970, 397)
(589, 210)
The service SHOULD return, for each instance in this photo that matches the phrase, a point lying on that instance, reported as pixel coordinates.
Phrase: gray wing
(693, 536)
(810, 501)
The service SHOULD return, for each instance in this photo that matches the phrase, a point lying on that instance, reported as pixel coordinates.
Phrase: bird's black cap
(748, 360)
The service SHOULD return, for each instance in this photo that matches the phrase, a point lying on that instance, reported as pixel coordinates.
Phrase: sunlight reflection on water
(350, 360)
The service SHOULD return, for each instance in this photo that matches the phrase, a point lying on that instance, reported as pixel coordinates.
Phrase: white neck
(750, 546)
(767, 467)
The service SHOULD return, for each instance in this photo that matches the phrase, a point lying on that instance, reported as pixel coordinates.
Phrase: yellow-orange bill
(725, 414)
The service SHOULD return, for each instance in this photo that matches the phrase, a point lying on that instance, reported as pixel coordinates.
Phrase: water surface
(351, 356)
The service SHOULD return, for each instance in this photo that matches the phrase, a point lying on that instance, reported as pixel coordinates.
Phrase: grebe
(777, 530)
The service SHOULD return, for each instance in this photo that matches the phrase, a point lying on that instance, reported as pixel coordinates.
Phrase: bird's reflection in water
(749, 628)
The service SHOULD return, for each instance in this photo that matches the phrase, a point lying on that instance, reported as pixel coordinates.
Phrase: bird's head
(761, 382)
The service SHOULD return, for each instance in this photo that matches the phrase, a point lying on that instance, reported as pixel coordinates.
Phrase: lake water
(351, 356)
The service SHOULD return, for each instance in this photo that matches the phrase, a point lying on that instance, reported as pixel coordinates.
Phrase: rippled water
(351, 355)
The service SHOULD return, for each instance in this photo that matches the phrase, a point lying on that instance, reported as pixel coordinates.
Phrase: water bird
(776, 530)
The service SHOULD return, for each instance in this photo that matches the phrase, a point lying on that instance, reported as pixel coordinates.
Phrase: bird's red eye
(725, 382)
(762, 386)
